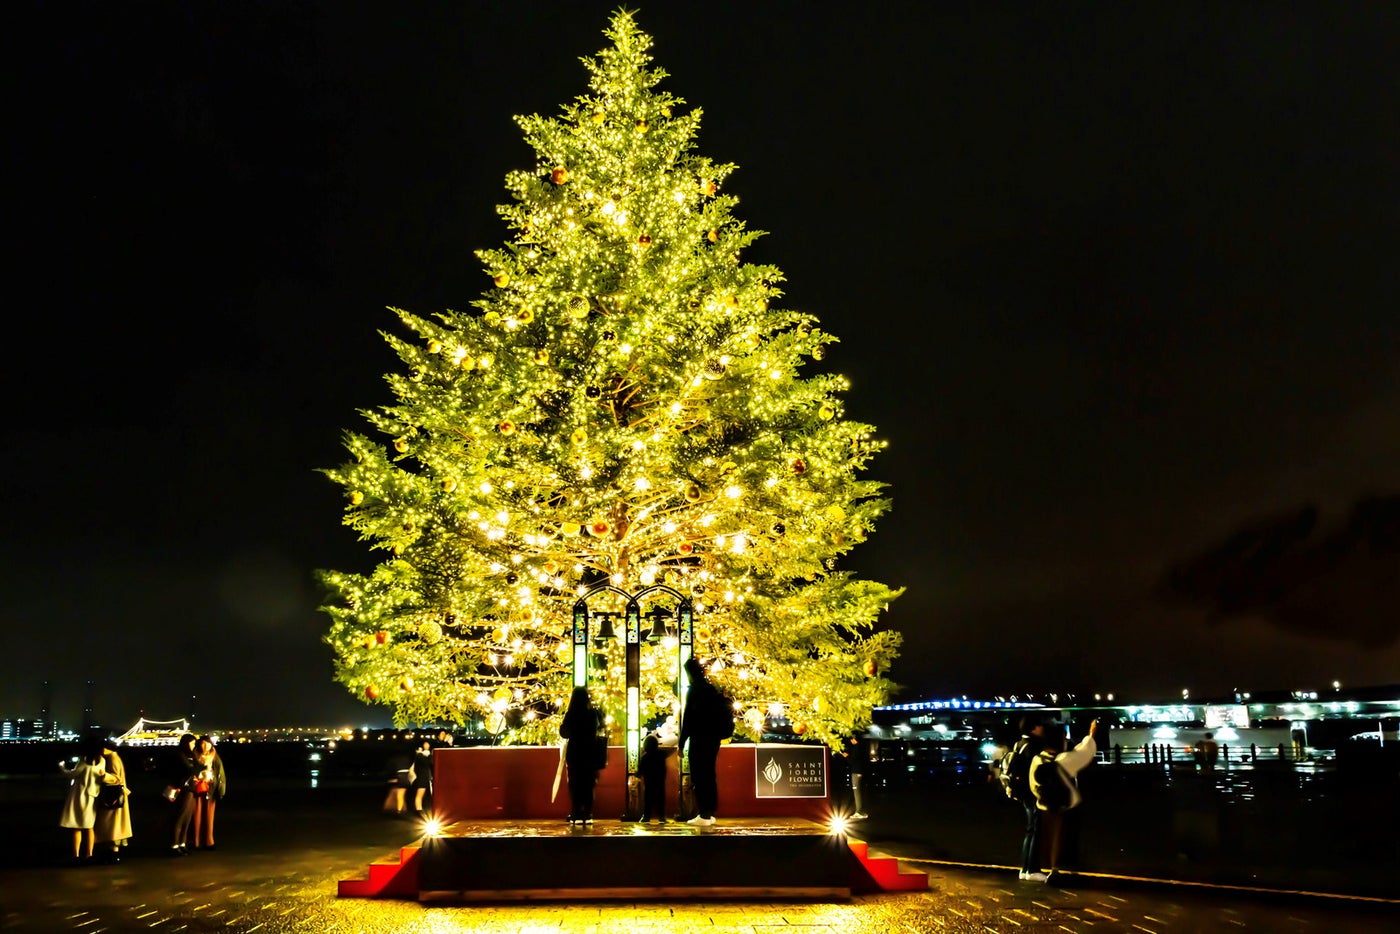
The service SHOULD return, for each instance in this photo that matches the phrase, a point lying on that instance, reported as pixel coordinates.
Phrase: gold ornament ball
(434, 346)
(692, 492)
(641, 126)
(799, 728)
(367, 642)
(827, 413)
(835, 513)
(500, 280)
(449, 484)
(818, 353)
(430, 632)
(506, 428)
(372, 692)
(525, 316)
(401, 445)
(406, 684)
(871, 668)
(569, 528)
(398, 551)
(356, 498)
(599, 116)
(712, 236)
(579, 436)
(707, 188)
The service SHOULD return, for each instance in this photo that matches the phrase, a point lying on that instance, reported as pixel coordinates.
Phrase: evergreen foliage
(625, 402)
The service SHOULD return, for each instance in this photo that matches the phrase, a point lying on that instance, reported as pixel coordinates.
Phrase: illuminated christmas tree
(624, 404)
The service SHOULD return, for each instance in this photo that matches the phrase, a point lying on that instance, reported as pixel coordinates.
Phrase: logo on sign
(790, 772)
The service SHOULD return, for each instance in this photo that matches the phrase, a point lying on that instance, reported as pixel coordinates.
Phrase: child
(653, 769)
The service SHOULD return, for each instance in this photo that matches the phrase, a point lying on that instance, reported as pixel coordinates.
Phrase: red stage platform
(503, 839)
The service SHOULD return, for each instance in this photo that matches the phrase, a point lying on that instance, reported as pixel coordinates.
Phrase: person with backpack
(1013, 770)
(585, 753)
(707, 720)
(1055, 785)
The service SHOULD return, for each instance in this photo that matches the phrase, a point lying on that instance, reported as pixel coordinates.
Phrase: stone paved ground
(276, 870)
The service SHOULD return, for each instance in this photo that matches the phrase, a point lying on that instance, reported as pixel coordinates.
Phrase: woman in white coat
(113, 827)
(80, 807)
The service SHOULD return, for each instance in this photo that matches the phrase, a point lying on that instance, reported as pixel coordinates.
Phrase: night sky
(1117, 283)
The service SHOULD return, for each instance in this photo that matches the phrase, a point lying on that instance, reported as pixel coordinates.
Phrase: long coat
(114, 824)
(80, 807)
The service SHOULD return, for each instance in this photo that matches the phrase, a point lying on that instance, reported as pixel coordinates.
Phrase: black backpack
(1014, 771)
(724, 715)
(1052, 784)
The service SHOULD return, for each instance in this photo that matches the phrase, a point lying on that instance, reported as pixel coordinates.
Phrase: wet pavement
(277, 866)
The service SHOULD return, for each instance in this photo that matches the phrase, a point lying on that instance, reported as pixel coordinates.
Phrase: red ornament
(687, 548)
(798, 465)
(599, 528)
(372, 692)
(382, 636)
(559, 176)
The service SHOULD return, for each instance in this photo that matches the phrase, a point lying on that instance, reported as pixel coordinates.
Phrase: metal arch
(685, 630)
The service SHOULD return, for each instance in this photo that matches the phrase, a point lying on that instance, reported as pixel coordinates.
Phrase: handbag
(200, 786)
(111, 797)
(170, 793)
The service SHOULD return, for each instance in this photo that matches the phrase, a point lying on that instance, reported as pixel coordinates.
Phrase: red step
(881, 873)
(388, 878)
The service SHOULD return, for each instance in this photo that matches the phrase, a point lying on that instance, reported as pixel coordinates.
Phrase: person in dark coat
(584, 728)
(706, 721)
(182, 777)
(653, 768)
(422, 774)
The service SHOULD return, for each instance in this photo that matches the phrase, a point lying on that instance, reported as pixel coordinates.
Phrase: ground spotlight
(432, 827)
(837, 825)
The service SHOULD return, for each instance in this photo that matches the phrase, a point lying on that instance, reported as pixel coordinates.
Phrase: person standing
(863, 752)
(422, 774)
(113, 826)
(653, 768)
(182, 778)
(209, 787)
(584, 728)
(706, 721)
(1054, 782)
(80, 807)
(1209, 751)
(1015, 767)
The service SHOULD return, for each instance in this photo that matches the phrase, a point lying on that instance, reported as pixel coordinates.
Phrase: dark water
(1278, 826)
